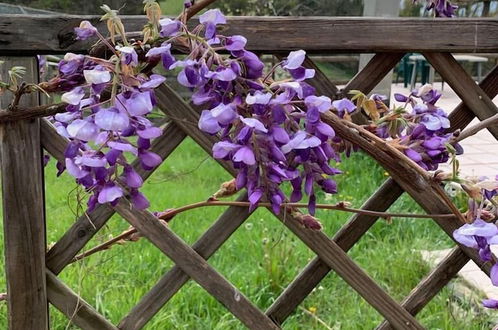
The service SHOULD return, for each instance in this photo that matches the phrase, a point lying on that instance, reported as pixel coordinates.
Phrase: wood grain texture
(375, 70)
(77, 310)
(326, 249)
(345, 238)
(195, 266)
(464, 86)
(320, 81)
(462, 115)
(87, 225)
(23, 210)
(36, 34)
(433, 283)
(175, 278)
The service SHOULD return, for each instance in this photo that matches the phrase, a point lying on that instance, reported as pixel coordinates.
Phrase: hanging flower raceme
(271, 131)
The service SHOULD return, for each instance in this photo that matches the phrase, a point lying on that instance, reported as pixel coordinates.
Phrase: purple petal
(149, 159)
(138, 200)
(254, 123)
(223, 148)
(123, 147)
(150, 133)
(321, 103)
(223, 113)
(132, 178)
(83, 130)
(110, 193)
(97, 76)
(73, 97)
(111, 119)
(169, 27)
(208, 123)
(85, 30)
(235, 43)
(245, 155)
(295, 59)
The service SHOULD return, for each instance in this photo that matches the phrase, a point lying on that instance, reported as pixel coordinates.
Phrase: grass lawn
(261, 258)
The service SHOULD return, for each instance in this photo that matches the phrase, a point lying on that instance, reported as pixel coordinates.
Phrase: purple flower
(163, 52)
(235, 43)
(150, 132)
(210, 19)
(490, 303)
(128, 55)
(75, 170)
(138, 200)
(254, 123)
(132, 178)
(97, 76)
(169, 27)
(244, 155)
(82, 129)
(258, 98)
(223, 113)
(148, 159)
(321, 103)
(121, 146)
(223, 148)
(343, 105)
(85, 30)
(111, 119)
(294, 60)
(73, 97)
(110, 193)
(136, 103)
(301, 141)
(154, 81)
(253, 65)
(208, 123)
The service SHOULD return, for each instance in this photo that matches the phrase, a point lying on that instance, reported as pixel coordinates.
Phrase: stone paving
(480, 158)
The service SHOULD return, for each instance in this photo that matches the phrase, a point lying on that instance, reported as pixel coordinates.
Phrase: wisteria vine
(270, 130)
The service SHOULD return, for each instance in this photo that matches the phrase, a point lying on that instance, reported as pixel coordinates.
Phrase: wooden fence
(32, 272)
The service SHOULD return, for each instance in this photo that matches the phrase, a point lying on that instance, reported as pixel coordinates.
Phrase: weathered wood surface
(462, 115)
(375, 70)
(78, 311)
(324, 247)
(86, 226)
(23, 210)
(437, 279)
(345, 238)
(195, 266)
(464, 86)
(36, 34)
(175, 278)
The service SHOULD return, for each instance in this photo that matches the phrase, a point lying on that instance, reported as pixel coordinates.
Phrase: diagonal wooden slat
(195, 266)
(328, 250)
(375, 70)
(462, 115)
(345, 238)
(175, 278)
(87, 225)
(316, 270)
(320, 81)
(77, 310)
(437, 279)
(464, 86)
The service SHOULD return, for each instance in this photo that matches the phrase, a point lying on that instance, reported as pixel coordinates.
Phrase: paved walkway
(480, 156)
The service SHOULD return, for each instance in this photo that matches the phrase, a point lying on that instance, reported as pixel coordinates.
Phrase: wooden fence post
(23, 209)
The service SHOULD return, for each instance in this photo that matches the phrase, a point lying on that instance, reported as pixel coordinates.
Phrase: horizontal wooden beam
(46, 34)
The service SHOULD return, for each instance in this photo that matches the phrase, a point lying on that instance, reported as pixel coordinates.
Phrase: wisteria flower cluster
(481, 233)
(441, 8)
(271, 131)
(421, 132)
